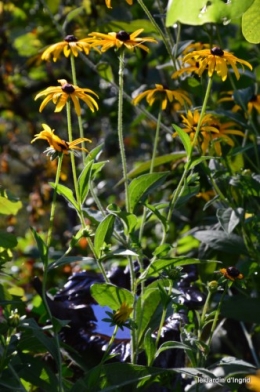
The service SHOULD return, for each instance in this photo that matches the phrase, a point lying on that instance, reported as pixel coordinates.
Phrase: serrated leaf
(203, 11)
(184, 138)
(250, 23)
(66, 192)
(141, 186)
(103, 233)
(107, 294)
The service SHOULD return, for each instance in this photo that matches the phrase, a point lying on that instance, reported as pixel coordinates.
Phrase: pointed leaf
(229, 218)
(66, 193)
(42, 247)
(141, 186)
(149, 346)
(184, 138)
(84, 182)
(104, 233)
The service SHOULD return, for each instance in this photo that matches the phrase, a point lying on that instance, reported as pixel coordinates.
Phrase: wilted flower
(216, 60)
(70, 45)
(56, 143)
(164, 95)
(122, 38)
(59, 95)
(231, 273)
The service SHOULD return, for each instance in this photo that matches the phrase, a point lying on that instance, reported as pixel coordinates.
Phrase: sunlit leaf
(104, 233)
(250, 23)
(185, 139)
(109, 295)
(141, 186)
(8, 207)
(203, 11)
(66, 192)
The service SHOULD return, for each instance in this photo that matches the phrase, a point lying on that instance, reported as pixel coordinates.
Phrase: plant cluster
(169, 190)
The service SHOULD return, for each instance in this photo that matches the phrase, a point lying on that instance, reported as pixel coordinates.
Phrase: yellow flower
(212, 131)
(108, 3)
(254, 382)
(56, 143)
(122, 314)
(216, 60)
(164, 95)
(231, 273)
(191, 64)
(59, 95)
(70, 45)
(253, 103)
(122, 38)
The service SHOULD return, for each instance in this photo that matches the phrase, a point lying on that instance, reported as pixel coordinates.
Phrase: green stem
(111, 341)
(45, 272)
(155, 146)
(74, 80)
(120, 127)
(159, 30)
(72, 157)
(179, 188)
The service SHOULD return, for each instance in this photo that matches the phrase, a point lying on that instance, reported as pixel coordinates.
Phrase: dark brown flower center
(216, 51)
(233, 272)
(68, 88)
(123, 36)
(253, 99)
(70, 38)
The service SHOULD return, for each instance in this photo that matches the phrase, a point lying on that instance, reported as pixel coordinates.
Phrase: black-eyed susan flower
(70, 45)
(120, 39)
(253, 382)
(59, 95)
(212, 131)
(231, 273)
(191, 65)
(57, 144)
(216, 60)
(108, 3)
(252, 104)
(164, 95)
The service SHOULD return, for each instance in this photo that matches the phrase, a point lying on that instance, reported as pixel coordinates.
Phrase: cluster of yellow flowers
(202, 59)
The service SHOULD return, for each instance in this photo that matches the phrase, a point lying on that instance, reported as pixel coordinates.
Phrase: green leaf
(113, 377)
(149, 346)
(184, 138)
(110, 295)
(84, 182)
(42, 247)
(40, 335)
(105, 71)
(72, 15)
(250, 23)
(161, 160)
(229, 218)
(160, 264)
(186, 193)
(9, 207)
(157, 213)
(172, 345)
(70, 259)
(94, 154)
(219, 240)
(141, 186)
(103, 233)
(129, 220)
(7, 240)
(66, 192)
(197, 161)
(203, 11)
